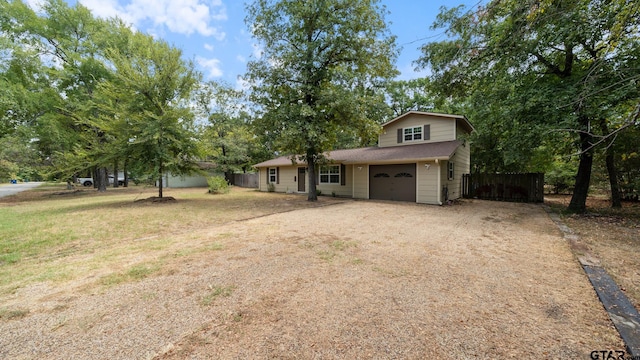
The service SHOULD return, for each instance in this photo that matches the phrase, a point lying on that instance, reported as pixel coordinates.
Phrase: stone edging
(622, 313)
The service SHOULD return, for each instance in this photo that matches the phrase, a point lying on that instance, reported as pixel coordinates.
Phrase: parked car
(89, 181)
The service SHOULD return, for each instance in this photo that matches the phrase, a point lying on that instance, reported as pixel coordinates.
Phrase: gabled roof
(370, 155)
(463, 119)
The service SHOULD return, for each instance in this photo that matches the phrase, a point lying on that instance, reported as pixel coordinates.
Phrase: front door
(302, 186)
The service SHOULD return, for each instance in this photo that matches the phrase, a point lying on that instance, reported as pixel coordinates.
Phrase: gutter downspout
(439, 194)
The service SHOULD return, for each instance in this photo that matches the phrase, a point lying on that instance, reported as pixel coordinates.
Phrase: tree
(558, 64)
(323, 62)
(227, 138)
(64, 38)
(410, 95)
(150, 93)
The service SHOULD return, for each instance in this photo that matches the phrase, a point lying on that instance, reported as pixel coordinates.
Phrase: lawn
(262, 275)
(42, 229)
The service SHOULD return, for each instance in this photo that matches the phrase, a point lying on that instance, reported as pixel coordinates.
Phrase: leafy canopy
(322, 64)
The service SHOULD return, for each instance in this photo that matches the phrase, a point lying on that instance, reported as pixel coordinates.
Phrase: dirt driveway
(355, 279)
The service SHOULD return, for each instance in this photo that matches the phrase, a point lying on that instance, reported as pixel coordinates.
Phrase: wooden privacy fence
(504, 187)
(245, 180)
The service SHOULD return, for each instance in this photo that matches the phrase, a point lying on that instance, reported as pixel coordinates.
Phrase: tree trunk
(578, 202)
(126, 175)
(115, 173)
(103, 179)
(160, 181)
(616, 202)
(312, 196)
(95, 175)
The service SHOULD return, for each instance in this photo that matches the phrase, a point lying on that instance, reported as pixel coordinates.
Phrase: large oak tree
(321, 67)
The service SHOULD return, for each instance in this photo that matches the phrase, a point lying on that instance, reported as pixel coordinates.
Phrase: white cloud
(211, 66)
(208, 47)
(241, 58)
(179, 16)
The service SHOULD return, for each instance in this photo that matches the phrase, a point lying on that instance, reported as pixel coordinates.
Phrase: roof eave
(451, 116)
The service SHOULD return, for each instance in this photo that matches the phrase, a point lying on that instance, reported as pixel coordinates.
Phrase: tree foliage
(322, 65)
(530, 68)
(90, 93)
(149, 101)
(227, 138)
(410, 95)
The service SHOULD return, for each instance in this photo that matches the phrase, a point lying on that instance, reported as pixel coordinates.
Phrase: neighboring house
(197, 179)
(420, 157)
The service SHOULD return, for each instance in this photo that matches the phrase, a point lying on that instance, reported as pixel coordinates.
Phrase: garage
(392, 182)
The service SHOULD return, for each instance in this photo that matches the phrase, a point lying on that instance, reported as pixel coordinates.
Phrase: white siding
(442, 129)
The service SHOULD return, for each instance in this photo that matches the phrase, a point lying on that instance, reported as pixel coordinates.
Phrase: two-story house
(420, 157)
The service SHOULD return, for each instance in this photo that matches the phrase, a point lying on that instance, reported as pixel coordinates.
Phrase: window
(450, 170)
(273, 175)
(330, 174)
(403, 174)
(413, 133)
(378, 175)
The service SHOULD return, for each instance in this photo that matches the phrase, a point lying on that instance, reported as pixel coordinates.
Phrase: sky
(213, 33)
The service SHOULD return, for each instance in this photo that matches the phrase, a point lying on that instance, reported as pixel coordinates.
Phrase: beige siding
(461, 133)
(427, 182)
(442, 129)
(360, 181)
(286, 181)
(262, 185)
(337, 189)
(462, 165)
(444, 178)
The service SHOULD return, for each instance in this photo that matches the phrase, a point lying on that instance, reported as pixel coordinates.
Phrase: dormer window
(413, 133)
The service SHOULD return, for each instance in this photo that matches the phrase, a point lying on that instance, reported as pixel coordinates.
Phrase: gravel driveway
(357, 279)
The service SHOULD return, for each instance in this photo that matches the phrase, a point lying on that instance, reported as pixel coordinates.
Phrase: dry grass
(612, 235)
(52, 234)
(356, 279)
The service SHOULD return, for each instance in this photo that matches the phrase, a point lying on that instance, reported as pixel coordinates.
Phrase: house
(420, 157)
(196, 179)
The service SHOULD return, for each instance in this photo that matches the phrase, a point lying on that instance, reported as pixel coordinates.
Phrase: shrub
(218, 185)
(271, 187)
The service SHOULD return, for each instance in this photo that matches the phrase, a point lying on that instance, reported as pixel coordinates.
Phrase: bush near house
(218, 185)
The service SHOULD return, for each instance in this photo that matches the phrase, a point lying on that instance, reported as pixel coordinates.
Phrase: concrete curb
(622, 313)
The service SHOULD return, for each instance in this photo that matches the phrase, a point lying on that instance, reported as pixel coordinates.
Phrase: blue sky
(213, 32)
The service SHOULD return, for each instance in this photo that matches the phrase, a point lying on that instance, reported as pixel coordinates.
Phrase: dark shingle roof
(392, 154)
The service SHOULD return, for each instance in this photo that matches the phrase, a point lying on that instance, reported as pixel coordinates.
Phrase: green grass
(11, 314)
(335, 249)
(135, 273)
(55, 235)
(217, 292)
